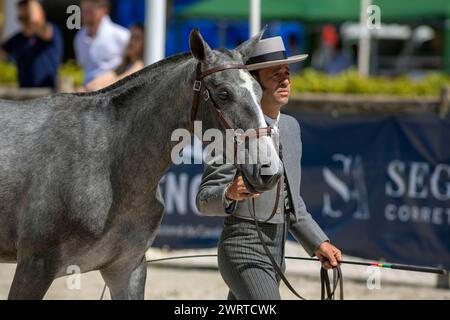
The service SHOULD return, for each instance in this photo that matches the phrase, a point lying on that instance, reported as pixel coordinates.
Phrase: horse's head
(229, 98)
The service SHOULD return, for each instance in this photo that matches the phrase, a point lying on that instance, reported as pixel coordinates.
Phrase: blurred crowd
(106, 51)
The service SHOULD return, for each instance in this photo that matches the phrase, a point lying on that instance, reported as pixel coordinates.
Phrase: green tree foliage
(309, 81)
(8, 73)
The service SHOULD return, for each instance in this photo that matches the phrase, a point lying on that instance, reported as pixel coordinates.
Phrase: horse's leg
(125, 283)
(34, 275)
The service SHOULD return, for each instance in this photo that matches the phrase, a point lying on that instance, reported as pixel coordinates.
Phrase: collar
(272, 122)
(106, 21)
(104, 24)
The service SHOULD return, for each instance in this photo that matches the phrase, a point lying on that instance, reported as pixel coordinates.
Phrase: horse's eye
(223, 95)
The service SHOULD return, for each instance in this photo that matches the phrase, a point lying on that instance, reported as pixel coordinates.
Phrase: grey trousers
(243, 263)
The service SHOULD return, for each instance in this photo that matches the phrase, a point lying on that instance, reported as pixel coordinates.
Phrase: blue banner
(378, 185)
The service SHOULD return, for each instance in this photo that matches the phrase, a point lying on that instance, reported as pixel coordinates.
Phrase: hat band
(272, 56)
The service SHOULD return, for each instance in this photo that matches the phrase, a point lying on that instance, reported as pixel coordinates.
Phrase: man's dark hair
(26, 2)
(140, 26)
(255, 73)
(100, 3)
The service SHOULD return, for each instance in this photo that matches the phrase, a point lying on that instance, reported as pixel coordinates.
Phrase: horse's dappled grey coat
(79, 173)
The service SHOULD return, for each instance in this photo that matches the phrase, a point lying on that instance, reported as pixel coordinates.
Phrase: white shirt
(273, 122)
(104, 52)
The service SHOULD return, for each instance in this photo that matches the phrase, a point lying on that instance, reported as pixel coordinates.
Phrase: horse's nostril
(269, 169)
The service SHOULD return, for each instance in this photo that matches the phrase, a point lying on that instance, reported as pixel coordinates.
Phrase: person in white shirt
(100, 44)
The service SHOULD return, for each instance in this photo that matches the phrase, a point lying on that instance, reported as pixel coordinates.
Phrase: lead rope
(324, 279)
(325, 283)
(269, 254)
(338, 279)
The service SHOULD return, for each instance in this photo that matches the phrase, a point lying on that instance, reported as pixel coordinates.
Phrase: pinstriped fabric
(243, 263)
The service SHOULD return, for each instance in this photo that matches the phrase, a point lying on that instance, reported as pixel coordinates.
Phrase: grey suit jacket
(211, 195)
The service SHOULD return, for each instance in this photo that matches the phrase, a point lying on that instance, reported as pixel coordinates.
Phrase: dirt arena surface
(193, 279)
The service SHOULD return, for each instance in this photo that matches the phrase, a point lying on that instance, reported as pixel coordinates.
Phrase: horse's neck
(152, 108)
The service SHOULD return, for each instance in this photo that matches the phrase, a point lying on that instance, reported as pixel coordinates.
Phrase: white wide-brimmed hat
(271, 52)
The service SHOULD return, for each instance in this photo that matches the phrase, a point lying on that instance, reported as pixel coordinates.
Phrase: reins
(267, 131)
(326, 292)
(200, 88)
(404, 267)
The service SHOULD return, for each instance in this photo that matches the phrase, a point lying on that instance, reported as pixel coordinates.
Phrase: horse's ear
(199, 48)
(246, 48)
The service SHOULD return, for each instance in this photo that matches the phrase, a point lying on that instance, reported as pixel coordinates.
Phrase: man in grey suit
(243, 262)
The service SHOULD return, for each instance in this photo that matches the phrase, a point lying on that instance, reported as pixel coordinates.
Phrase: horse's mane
(170, 60)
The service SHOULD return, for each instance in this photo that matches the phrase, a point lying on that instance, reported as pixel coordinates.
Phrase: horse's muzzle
(255, 178)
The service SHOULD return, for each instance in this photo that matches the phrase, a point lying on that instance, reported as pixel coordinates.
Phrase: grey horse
(79, 173)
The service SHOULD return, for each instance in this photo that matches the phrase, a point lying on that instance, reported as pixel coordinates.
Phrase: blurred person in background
(323, 56)
(37, 48)
(243, 263)
(341, 60)
(133, 61)
(100, 44)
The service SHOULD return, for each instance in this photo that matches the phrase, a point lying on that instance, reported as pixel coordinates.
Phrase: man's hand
(328, 255)
(237, 191)
(36, 13)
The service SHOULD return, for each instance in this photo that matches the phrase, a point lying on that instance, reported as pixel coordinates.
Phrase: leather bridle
(237, 137)
(258, 132)
(199, 85)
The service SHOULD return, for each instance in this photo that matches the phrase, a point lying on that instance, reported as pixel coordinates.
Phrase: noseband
(199, 85)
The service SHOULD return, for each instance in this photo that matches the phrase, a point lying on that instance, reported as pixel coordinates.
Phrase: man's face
(23, 15)
(276, 84)
(31, 16)
(91, 13)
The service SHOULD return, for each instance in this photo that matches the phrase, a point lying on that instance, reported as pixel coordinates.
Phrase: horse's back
(20, 127)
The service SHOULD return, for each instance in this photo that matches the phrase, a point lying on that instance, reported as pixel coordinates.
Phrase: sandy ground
(200, 279)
